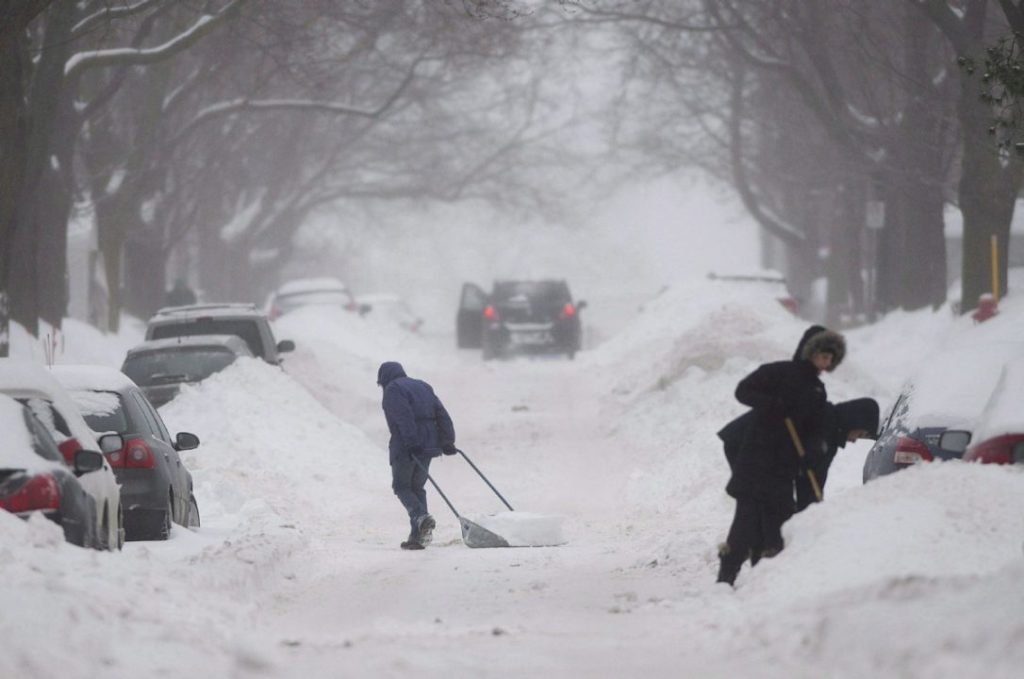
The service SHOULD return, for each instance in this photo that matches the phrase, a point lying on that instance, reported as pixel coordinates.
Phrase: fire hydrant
(987, 308)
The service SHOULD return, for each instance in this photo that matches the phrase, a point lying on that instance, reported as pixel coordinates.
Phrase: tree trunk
(988, 190)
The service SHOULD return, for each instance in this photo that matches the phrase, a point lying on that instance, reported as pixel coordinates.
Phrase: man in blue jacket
(420, 431)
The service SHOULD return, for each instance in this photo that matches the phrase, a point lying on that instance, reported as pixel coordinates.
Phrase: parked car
(312, 292)
(34, 386)
(156, 486)
(999, 432)
(34, 478)
(391, 308)
(241, 320)
(160, 367)
(949, 393)
(522, 316)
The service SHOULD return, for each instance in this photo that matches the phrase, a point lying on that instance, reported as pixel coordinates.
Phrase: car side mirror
(285, 346)
(186, 441)
(111, 443)
(954, 440)
(87, 461)
(582, 304)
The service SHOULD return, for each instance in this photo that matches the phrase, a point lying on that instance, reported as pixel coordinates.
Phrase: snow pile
(524, 529)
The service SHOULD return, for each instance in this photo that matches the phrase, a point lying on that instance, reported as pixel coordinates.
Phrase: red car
(999, 434)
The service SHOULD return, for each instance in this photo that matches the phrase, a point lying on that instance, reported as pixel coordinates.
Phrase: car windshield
(544, 292)
(246, 329)
(102, 410)
(176, 365)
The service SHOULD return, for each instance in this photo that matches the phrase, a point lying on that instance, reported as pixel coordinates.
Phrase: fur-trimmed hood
(828, 342)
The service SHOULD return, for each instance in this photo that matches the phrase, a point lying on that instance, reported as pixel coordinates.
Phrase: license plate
(535, 337)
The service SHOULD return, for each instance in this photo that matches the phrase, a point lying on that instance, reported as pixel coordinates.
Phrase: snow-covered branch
(128, 56)
(109, 14)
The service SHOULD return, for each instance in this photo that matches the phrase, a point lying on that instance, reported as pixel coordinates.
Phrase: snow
(524, 529)
(296, 570)
(311, 285)
(1002, 414)
(17, 452)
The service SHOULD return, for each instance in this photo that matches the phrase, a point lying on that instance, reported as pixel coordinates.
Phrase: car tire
(165, 529)
(120, 527)
(193, 513)
(104, 537)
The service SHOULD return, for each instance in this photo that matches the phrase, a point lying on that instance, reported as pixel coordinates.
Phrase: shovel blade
(475, 535)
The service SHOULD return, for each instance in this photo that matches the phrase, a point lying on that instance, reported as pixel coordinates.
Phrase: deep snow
(296, 570)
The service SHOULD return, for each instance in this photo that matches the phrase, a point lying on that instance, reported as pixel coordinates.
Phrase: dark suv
(519, 317)
(241, 320)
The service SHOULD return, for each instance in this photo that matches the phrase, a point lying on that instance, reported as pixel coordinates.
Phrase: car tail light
(135, 455)
(1008, 449)
(911, 451)
(490, 313)
(68, 448)
(568, 311)
(40, 493)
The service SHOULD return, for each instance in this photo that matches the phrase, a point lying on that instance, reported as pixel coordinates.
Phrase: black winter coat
(417, 420)
(767, 462)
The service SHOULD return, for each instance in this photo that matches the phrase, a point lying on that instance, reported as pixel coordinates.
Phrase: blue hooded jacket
(417, 420)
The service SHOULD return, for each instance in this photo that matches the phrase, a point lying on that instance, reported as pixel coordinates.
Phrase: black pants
(805, 492)
(408, 481)
(756, 532)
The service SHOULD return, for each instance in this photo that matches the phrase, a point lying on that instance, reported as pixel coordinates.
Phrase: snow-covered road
(296, 571)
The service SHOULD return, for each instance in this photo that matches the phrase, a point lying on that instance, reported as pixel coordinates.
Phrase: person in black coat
(844, 423)
(767, 462)
(421, 429)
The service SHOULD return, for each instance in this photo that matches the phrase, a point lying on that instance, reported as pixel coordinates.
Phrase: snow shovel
(473, 534)
(811, 476)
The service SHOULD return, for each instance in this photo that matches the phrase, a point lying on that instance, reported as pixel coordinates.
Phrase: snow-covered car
(156, 486)
(312, 292)
(241, 320)
(34, 477)
(950, 393)
(391, 308)
(160, 367)
(34, 386)
(999, 433)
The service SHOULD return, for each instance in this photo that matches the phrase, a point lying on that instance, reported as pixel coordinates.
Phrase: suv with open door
(522, 317)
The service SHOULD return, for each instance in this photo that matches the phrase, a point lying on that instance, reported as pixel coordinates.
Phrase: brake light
(568, 311)
(911, 451)
(68, 448)
(40, 493)
(135, 455)
(490, 313)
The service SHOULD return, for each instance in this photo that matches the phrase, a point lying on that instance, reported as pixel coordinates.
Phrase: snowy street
(296, 571)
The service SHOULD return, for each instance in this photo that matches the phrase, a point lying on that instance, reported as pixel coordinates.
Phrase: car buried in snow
(306, 292)
(949, 393)
(242, 320)
(520, 317)
(34, 386)
(161, 367)
(34, 477)
(156, 486)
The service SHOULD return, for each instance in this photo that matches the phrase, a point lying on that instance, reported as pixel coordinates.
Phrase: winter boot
(411, 545)
(729, 564)
(426, 530)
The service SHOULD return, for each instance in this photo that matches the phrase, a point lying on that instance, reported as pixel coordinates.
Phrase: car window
(473, 298)
(48, 415)
(153, 421)
(539, 292)
(898, 415)
(184, 364)
(289, 302)
(42, 442)
(102, 410)
(247, 329)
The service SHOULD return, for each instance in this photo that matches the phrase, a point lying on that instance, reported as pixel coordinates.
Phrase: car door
(469, 323)
(159, 439)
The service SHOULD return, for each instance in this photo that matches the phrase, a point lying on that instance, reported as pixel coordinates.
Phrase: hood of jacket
(389, 371)
(860, 413)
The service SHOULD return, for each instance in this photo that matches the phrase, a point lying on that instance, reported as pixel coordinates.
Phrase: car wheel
(165, 529)
(120, 526)
(193, 512)
(104, 541)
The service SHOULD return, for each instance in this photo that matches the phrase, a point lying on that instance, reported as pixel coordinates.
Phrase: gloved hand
(449, 449)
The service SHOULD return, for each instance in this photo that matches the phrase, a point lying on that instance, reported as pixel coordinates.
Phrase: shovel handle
(811, 476)
(491, 485)
(437, 487)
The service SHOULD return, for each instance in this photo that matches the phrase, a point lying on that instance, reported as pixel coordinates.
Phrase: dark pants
(756, 532)
(805, 492)
(408, 481)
